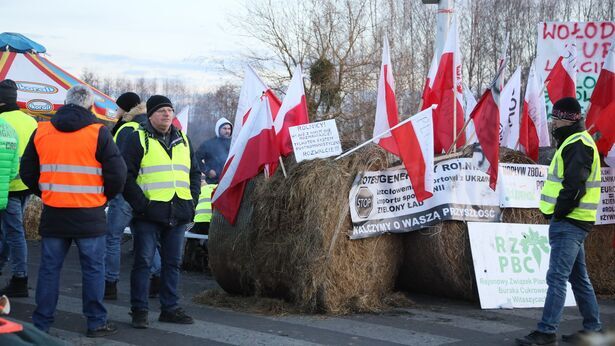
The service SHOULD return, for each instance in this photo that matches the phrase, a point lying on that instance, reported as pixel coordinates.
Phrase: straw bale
(600, 259)
(295, 244)
(32, 217)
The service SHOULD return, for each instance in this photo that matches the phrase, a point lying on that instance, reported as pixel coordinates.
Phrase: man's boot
(110, 290)
(16, 288)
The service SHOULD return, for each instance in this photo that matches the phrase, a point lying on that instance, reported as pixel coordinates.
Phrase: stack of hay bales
(291, 241)
(438, 260)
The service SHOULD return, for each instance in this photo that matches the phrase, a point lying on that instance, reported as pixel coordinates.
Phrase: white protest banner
(606, 208)
(510, 264)
(383, 201)
(592, 39)
(519, 185)
(315, 140)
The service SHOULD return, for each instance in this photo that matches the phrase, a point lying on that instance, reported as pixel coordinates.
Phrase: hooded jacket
(138, 115)
(578, 159)
(175, 212)
(212, 153)
(76, 222)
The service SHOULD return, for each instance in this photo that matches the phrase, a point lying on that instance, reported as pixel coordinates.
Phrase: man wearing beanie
(569, 199)
(162, 187)
(119, 214)
(12, 231)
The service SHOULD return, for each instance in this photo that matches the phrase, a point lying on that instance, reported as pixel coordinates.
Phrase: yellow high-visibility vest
(586, 211)
(160, 176)
(133, 124)
(24, 125)
(203, 208)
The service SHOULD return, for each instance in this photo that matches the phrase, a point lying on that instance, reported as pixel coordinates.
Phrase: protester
(212, 153)
(9, 160)
(74, 182)
(569, 199)
(12, 231)
(162, 188)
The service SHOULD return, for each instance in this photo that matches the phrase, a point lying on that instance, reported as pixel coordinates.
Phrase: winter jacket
(138, 115)
(175, 212)
(76, 222)
(9, 160)
(212, 153)
(578, 159)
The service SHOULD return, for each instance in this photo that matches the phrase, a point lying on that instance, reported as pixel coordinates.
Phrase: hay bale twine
(600, 259)
(32, 217)
(438, 260)
(297, 247)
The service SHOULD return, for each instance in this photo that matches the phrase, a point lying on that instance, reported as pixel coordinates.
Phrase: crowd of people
(143, 173)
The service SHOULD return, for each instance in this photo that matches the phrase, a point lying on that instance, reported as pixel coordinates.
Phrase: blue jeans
(91, 257)
(567, 263)
(146, 235)
(14, 237)
(119, 216)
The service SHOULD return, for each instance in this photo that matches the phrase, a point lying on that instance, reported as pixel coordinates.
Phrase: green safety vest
(203, 209)
(586, 211)
(133, 124)
(160, 176)
(24, 125)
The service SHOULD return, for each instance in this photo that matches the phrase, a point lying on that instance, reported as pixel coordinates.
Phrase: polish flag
(534, 131)
(470, 103)
(386, 105)
(562, 80)
(510, 102)
(181, 119)
(606, 126)
(254, 148)
(431, 75)
(414, 138)
(447, 93)
(293, 112)
(252, 89)
(603, 95)
(486, 120)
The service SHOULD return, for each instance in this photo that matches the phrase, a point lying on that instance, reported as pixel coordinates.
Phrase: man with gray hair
(72, 163)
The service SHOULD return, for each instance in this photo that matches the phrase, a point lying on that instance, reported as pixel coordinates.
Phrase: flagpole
(452, 147)
(379, 135)
(282, 165)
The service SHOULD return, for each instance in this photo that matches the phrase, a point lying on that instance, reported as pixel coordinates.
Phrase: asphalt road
(432, 321)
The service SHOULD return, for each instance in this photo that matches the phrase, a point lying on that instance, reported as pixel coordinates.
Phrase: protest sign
(315, 140)
(510, 264)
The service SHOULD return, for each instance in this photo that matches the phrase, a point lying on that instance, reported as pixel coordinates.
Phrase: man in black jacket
(162, 187)
(74, 182)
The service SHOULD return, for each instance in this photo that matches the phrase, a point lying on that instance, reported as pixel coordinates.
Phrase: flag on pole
(386, 105)
(431, 75)
(502, 62)
(415, 142)
(510, 102)
(293, 112)
(470, 103)
(181, 119)
(602, 96)
(447, 93)
(486, 116)
(562, 80)
(252, 89)
(254, 148)
(534, 131)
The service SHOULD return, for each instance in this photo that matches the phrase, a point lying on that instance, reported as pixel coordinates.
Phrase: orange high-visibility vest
(71, 177)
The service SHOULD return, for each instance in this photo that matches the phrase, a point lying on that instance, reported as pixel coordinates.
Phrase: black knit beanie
(567, 108)
(156, 102)
(8, 91)
(128, 101)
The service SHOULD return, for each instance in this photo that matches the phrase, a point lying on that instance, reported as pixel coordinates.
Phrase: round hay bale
(296, 246)
(32, 217)
(600, 259)
(438, 260)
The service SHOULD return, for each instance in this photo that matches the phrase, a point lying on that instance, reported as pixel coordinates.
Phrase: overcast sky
(186, 39)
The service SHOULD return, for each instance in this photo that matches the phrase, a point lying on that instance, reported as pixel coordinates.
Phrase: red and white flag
(252, 89)
(605, 125)
(181, 119)
(562, 80)
(414, 138)
(386, 105)
(486, 120)
(602, 96)
(470, 103)
(447, 93)
(534, 131)
(293, 112)
(254, 148)
(431, 75)
(510, 102)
